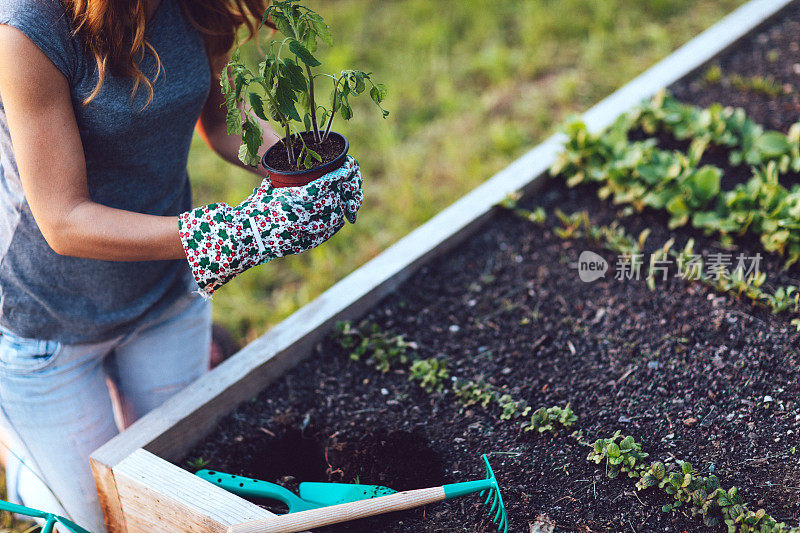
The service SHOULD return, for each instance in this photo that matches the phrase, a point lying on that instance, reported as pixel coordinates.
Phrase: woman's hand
(221, 241)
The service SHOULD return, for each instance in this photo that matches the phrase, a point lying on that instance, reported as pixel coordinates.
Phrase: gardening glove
(221, 241)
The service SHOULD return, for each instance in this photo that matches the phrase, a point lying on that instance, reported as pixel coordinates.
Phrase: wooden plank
(109, 498)
(174, 427)
(159, 497)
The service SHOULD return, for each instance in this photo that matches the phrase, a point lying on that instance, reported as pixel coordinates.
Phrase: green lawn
(472, 86)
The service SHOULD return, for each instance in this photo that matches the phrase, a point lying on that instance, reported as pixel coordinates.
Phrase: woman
(98, 102)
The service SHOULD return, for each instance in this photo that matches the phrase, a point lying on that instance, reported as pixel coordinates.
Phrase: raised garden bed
(690, 372)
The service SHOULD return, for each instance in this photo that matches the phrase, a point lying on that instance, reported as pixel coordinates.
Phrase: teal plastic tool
(316, 496)
(50, 519)
(312, 494)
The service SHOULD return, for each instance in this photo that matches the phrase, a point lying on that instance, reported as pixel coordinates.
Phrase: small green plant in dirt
(703, 495)
(548, 419)
(713, 74)
(283, 81)
(430, 374)
(657, 259)
(537, 216)
(756, 84)
(571, 224)
(368, 342)
(625, 456)
(785, 299)
(474, 393)
(198, 463)
(511, 408)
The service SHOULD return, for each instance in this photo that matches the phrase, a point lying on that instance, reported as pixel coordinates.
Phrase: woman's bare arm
(214, 131)
(51, 164)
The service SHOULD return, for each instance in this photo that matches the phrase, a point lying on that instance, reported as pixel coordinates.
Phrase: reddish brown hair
(113, 31)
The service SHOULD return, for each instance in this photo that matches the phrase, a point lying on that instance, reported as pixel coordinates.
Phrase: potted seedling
(283, 91)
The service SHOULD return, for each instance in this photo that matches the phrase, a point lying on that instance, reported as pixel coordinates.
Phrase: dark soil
(683, 369)
(328, 150)
(772, 53)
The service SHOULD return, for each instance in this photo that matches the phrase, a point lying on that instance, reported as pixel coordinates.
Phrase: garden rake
(50, 520)
(322, 504)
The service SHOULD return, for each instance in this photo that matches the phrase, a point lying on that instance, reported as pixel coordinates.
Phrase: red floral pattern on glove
(221, 241)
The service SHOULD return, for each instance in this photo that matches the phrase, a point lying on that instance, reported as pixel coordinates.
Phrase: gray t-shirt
(135, 160)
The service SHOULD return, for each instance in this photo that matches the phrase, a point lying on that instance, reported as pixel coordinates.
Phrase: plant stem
(313, 105)
(333, 111)
(290, 146)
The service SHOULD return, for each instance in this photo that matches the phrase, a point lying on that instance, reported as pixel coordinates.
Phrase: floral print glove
(221, 241)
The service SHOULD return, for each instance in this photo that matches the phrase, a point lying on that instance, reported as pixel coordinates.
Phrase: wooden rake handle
(324, 516)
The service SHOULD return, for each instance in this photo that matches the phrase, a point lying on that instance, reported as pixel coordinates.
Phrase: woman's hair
(113, 31)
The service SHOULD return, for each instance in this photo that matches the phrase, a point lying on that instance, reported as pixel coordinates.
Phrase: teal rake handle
(50, 519)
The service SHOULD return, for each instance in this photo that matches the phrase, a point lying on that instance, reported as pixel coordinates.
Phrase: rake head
(497, 510)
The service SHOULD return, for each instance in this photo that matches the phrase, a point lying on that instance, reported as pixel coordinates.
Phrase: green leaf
(273, 111)
(378, 93)
(244, 155)
(283, 25)
(233, 120)
(311, 158)
(258, 105)
(252, 136)
(310, 40)
(303, 54)
(706, 182)
(322, 29)
(613, 450)
(239, 83)
(355, 80)
(285, 97)
(225, 81)
(346, 111)
(294, 72)
(314, 154)
(772, 144)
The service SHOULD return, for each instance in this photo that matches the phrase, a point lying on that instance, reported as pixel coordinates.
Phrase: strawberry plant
(623, 457)
(547, 419)
(703, 495)
(431, 374)
(512, 408)
(474, 393)
(723, 126)
(284, 80)
(380, 348)
(642, 175)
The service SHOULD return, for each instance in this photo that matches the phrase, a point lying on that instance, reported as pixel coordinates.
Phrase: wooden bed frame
(141, 491)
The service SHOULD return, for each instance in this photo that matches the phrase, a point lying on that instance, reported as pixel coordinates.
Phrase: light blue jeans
(61, 402)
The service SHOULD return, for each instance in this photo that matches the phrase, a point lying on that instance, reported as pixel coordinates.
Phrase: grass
(472, 86)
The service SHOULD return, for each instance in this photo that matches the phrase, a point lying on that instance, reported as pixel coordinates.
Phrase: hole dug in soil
(401, 460)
